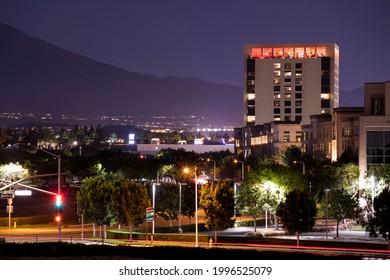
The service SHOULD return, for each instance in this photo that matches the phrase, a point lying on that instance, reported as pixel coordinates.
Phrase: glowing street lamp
(187, 170)
(214, 166)
(303, 166)
(180, 184)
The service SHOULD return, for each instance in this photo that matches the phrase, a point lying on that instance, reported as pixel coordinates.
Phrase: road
(73, 234)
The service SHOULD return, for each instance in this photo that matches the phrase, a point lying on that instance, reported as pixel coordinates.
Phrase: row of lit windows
(287, 65)
(287, 103)
(288, 88)
(288, 52)
(289, 73)
(287, 138)
(287, 118)
(287, 95)
(277, 80)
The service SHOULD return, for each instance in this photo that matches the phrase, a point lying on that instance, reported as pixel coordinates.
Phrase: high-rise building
(290, 82)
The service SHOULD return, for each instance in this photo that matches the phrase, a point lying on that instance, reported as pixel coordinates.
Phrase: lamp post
(58, 179)
(326, 202)
(186, 170)
(242, 168)
(214, 166)
(180, 184)
(154, 185)
(303, 166)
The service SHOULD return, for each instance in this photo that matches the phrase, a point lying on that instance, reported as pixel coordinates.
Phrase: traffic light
(58, 201)
(58, 218)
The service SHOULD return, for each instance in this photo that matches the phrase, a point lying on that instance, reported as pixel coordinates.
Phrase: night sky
(205, 38)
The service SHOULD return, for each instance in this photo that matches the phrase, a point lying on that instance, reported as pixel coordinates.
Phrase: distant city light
(131, 138)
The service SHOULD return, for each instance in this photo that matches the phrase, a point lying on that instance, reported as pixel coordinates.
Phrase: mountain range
(36, 76)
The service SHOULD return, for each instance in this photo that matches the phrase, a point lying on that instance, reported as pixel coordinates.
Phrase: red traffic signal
(58, 218)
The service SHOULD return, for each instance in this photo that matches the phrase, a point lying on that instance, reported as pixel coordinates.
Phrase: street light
(180, 184)
(186, 170)
(242, 169)
(326, 202)
(154, 198)
(214, 166)
(303, 166)
(58, 180)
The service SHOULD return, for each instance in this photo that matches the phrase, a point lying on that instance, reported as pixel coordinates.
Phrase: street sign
(149, 214)
(7, 195)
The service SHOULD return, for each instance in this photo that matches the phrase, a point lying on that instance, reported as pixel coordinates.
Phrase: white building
(290, 82)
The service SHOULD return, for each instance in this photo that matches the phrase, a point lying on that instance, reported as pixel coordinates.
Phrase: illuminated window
(277, 73)
(298, 73)
(321, 51)
(276, 65)
(276, 95)
(287, 80)
(276, 118)
(298, 81)
(278, 52)
(286, 136)
(346, 131)
(250, 96)
(287, 95)
(310, 52)
(256, 52)
(277, 103)
(299, 52)
(287, 88)
(267, 52)
(325, 95)
(250, 119)
(287, 73)
(276, 80)
(288, 52)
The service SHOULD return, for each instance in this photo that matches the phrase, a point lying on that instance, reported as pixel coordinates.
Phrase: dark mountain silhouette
(38, 77)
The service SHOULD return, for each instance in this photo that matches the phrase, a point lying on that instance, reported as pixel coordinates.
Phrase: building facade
(290, 82)
(374, 127)
(284, 84)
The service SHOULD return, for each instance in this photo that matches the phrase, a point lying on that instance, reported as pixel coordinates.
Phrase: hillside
(38, 77)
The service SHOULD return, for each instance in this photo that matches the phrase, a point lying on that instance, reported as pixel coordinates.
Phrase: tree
(380, 222)
(298, 212)
(218, 204)
(95, 198)
(129, 201)
(249, 201)
(342, 205)
(167, 202)
(264, 189)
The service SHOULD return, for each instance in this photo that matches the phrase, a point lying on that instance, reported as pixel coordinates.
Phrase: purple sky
(205, 38)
